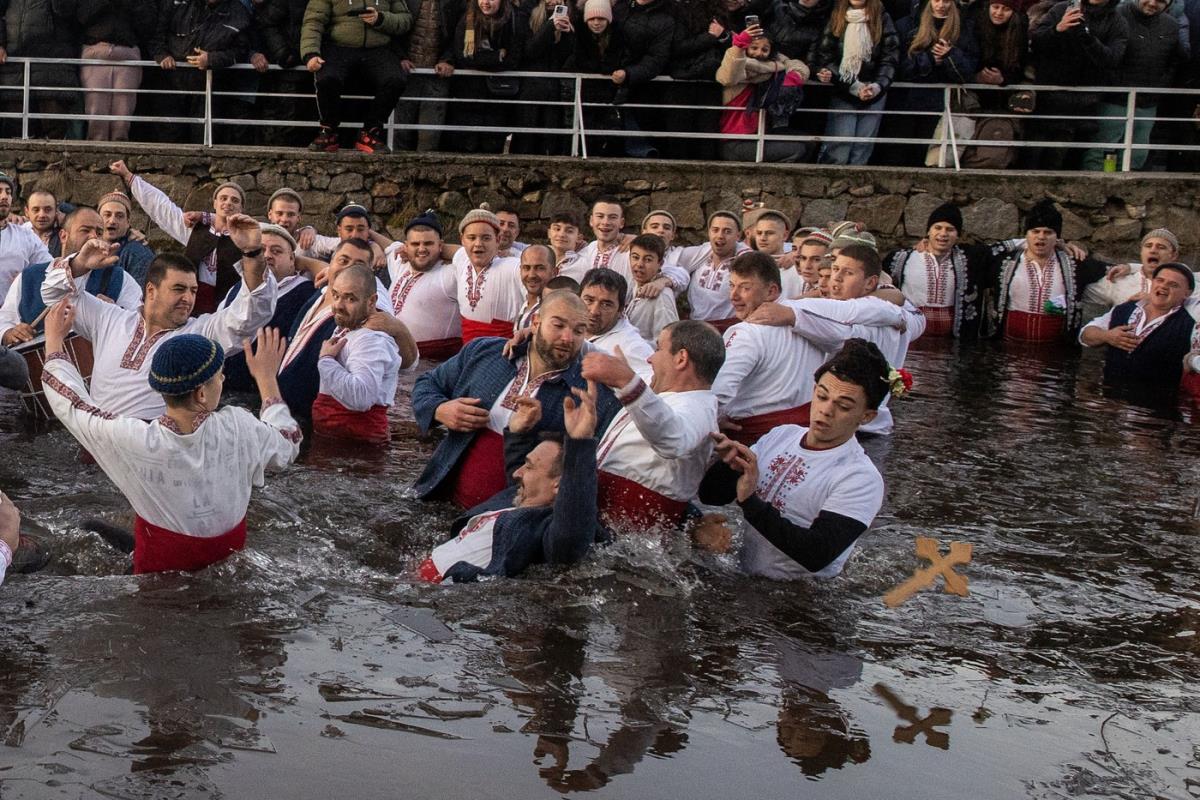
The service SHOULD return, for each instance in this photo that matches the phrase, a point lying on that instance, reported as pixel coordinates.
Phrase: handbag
(503, 86)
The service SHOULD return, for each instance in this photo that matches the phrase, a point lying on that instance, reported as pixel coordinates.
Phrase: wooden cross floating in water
(960, 553)
(907, 734)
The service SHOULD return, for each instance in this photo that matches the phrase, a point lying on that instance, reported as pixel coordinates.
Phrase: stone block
(810, 186)
(638, 185)
(296, 180)
(687, 206)
(385, 189)
(483, 194)
(346, 182)
(1184, 224)
(862, 190)
(452, 204)
(880, 213)
(823, 211)
(991, 219)
(1119, 230)
(917, 211)
(635, 210)
(557, 200)
(1075, 227)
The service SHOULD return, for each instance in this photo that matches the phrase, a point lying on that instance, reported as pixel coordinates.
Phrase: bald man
(475, 394)
(358, 366)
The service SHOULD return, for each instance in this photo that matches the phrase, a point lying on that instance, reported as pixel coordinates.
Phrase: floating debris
(391, 724)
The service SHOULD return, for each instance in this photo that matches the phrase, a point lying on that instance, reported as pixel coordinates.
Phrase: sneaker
(371, 141)
(326, 141)
(30, 556)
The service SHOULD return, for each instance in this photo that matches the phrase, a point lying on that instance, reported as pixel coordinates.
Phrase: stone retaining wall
(1105, 212)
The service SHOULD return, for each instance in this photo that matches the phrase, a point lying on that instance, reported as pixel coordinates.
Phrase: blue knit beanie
(427, 219)
(185, 363)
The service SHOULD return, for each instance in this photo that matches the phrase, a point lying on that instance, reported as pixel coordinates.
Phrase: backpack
(985, 157)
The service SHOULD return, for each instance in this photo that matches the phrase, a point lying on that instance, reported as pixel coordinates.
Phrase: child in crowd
(649, 314)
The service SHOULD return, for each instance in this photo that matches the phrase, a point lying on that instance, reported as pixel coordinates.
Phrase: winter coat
(43, 28)
(695, 54)
(880, 68)
(449, 13)
(487, 56)
(279, 23)
(959, 66)
(1088, 54)
(739, 75)
(1179, 10)
(542, 52)
(331, 21)
(1155, 51)
(222, 31)
(647, 33)
(1012, 74)
(129, 23)
(795, 29)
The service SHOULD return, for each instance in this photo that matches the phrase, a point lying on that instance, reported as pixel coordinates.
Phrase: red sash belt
(428, 572)
(634, 508)
(939, 320)
(473, 329)
(1026, 327)
(441, 349)
(758, 426)
(480, 471)
(206, 299)
(723, 325)
(157, 549)
(1190, 385)
(331, 418)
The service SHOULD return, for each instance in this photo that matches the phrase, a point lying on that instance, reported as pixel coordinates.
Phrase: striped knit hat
(184, 363)
(810, 234)
(479, 215)
(116, 197)
(850, 237)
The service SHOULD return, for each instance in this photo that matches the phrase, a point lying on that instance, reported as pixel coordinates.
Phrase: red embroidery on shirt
(76, 401)
(139, 346)
(729, 341)
(602, 259)
(713, 277)
(522, 386)
(475, 290)
(936, 280)
(402, 287)
(783, 473)
(1040, 284)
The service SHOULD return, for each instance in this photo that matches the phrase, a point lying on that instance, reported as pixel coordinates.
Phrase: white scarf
(856, 45)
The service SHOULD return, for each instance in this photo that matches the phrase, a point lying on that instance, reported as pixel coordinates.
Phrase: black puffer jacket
(695, 53)
(45, 29)
(278, 23)
(1085, 55)
(505, 39)
(222, 31)
(880, 68)
(1155, 50)
(647, 33)
(129, 23)
(795, 29)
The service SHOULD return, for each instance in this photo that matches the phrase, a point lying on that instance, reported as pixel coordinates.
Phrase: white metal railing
(579, 131)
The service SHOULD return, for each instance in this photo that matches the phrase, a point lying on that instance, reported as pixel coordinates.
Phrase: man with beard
(133, 256)
(299, 374)
(295, 291)
(358, 366)
(21, 314)
(19, 246)
(945, 280)
(474, 394)
(537, 268)
(1132, 281)
(206, 236)
(654, 453)
(41, 217)
(547, 517)
(708, 264)
(603, 292)
(424, 292)
(489, 286)
(124, 341)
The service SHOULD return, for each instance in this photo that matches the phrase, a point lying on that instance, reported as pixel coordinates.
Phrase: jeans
(862, 126)
(1112, 131)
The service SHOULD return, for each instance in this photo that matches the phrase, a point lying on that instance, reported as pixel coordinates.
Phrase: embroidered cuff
(58, 354)
(630, 392)
(270, 401)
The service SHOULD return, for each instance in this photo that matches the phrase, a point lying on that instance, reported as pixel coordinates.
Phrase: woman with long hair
(1003, 47)
(547, 47)
(487, 39)
(857, 54)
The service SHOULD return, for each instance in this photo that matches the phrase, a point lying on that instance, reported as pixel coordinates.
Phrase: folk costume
(295, 291)
(708, 291)
(23, 304)
(427, 302)
(357, 387)
(189, 491)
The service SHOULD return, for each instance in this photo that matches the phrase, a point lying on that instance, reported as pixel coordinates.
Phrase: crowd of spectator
(817, 68)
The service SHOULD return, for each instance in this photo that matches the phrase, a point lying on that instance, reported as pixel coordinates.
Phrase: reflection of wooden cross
(960, 553)
(907, 734)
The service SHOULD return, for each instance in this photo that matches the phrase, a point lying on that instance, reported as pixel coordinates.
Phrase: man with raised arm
(188, 474)
(125, 341)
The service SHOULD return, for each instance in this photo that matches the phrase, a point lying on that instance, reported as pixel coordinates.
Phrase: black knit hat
(426, 219)
(1044, 215)
(946, 212)
(354, 210)
(1182, 269)
(184, 363)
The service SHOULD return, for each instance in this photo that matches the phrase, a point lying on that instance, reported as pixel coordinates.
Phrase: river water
(309, 667)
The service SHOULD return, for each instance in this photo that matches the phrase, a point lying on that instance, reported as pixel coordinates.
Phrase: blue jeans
(1112, 131)
(862, 126)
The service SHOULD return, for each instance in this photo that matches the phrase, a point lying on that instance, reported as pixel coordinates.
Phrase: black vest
(1156, 363)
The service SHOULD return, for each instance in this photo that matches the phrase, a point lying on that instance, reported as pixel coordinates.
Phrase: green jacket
(331, 21)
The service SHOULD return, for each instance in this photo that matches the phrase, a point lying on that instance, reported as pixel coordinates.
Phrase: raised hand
(244, 232)
(746, 463)
(193, 218)
(462, 414)
(332, 348)
(527, 415)
(712, 533)
(264, 358)
(59, 320)
(613, 371)
(579, 418)
(121, 170)
(95, 254)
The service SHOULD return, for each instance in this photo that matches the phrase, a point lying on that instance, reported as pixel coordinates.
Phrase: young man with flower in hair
(807, 493)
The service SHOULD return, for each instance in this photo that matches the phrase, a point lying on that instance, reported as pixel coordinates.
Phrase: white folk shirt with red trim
(708, 291)
(828, 323)
(196, 484)
(10, 312)
(19, 248)
(618, 261)
(636, 349)
(520, 386)
(427, 302)
(122, 351)
(767, 368)
(317, 315)
(801, 483)
(472, 545)
(794, 286)
(651, 314)
(1122, 290)
(165, 214)
(928, 281)
(660, 441)
(1033, 284)
(495, 293)
(365, 372)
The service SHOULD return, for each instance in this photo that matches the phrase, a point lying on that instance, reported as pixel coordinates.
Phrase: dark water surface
(307, 667)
